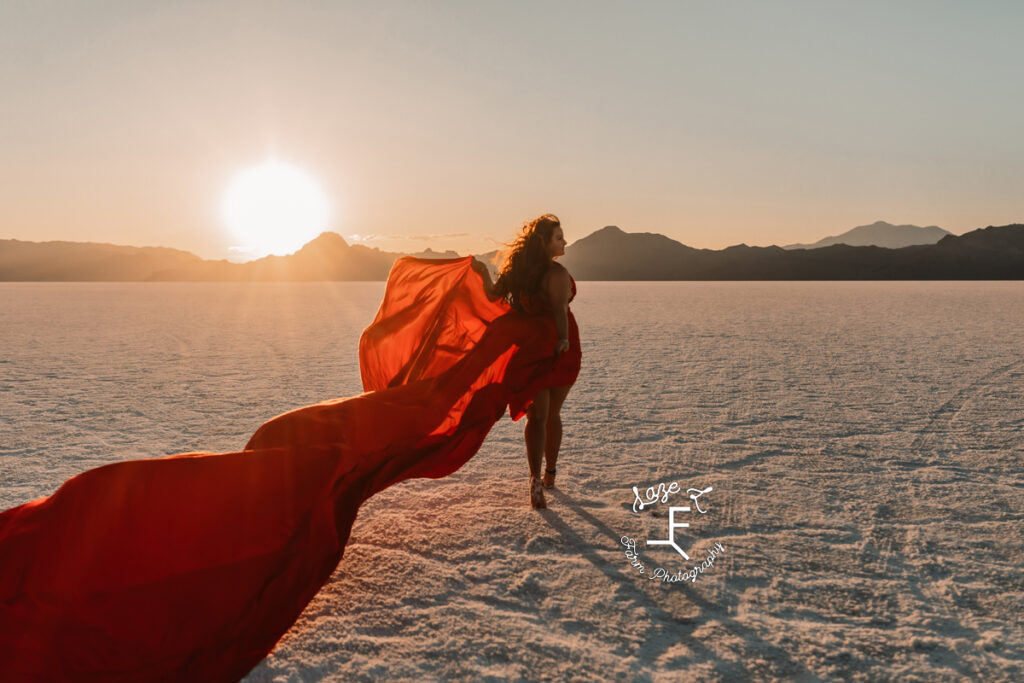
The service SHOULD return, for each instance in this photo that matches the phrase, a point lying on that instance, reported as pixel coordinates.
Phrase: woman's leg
(553, 438)
(536, 430)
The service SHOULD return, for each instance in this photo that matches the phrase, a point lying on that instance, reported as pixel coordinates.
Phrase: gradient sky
(449, 123)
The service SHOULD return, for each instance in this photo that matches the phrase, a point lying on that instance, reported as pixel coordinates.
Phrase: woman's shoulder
(556, 267)
(560, 272)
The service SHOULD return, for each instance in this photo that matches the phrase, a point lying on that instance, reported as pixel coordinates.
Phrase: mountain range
(328, 257)
(992, 253)
(880, 234)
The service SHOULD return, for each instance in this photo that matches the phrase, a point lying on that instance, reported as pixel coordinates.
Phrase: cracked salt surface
(864, 441)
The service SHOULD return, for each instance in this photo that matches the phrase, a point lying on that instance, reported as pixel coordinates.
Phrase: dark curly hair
(526, 260)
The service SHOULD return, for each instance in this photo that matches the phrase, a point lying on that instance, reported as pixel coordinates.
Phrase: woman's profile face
(556, 247)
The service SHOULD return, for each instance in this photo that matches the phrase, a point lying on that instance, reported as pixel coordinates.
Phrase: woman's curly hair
(526, 260)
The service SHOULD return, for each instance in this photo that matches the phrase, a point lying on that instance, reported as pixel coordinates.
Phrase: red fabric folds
(191, 567)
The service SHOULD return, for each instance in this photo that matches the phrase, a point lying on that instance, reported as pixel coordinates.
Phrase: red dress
(566, 368)
(192, 566)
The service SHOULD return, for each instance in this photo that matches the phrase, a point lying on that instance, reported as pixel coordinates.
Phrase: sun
(274, 208)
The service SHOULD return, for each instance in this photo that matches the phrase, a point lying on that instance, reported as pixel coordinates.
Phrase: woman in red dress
(532, 282)
(190, 567)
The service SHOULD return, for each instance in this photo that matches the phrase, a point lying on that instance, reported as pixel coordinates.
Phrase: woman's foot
(537, 494)
(549, 478)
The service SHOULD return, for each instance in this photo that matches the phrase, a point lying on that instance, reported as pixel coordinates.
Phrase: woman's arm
(559, 289)
(485, 273)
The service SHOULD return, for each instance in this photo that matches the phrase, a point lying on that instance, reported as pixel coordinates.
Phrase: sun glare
(274, 208)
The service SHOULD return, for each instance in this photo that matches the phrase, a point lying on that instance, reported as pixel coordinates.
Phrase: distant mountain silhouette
(992, 253)
(430, 253)
(53, 261)
(327, 257)
(880, 234)
(618, 255)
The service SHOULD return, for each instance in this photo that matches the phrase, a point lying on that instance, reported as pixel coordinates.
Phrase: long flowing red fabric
(192, 566)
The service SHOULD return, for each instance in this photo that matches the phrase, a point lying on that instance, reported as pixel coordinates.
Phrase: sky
(448, 124)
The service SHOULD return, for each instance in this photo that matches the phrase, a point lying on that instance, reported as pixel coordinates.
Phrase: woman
(192, 566)
(534, 284)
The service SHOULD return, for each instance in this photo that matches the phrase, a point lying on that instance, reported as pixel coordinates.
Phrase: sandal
(537, 494)
(549, 478)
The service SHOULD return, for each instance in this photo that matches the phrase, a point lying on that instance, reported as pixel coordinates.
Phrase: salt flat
(864, 442)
